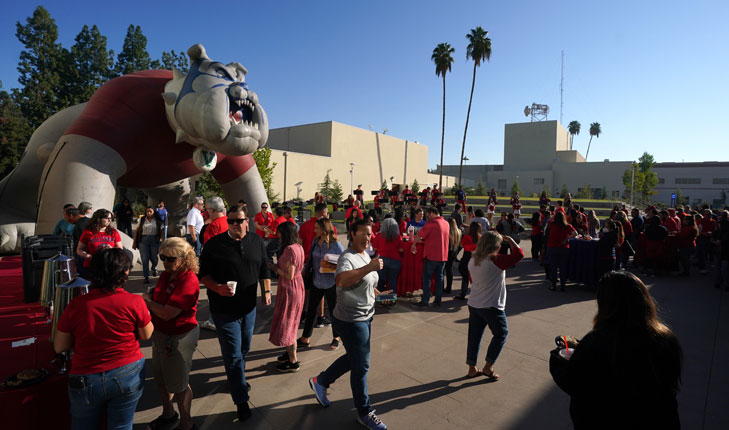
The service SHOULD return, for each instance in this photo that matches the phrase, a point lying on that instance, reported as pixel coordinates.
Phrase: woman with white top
(487, 301)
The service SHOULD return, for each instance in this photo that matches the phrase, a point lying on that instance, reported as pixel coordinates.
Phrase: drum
(64, 294)
(56, 271)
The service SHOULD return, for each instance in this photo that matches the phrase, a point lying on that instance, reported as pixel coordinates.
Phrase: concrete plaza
(416, 378)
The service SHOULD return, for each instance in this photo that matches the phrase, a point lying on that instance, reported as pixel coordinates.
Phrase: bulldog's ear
(197, 52)
(239, 69)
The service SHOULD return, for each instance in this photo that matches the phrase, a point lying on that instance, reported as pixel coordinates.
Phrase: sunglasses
(167, 258)
(264, 207)
(237, 221)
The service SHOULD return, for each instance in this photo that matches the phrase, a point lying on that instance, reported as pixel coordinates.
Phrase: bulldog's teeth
(255, 125)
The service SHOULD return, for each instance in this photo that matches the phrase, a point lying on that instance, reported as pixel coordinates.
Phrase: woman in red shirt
(686, 243)
(103, 328)
(173, 304)
(388, 245)
(536, 224)
(559, 234)
(468, 243)
(99, 234)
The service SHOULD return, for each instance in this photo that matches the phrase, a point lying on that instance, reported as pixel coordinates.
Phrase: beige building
(538, 155)
(304, 153)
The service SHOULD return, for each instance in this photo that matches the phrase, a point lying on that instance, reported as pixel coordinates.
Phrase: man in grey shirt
(479, 218)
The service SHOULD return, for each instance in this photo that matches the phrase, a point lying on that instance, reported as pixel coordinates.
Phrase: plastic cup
(566, 353)
(233, 284)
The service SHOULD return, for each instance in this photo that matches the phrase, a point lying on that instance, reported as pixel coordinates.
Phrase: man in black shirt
(240, 257)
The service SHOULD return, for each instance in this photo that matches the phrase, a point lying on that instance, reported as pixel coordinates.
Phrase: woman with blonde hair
(173, 304)
(487, 301)
(454, 239)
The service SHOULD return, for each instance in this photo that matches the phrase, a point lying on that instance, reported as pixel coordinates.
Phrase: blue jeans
(356, 339)
(115, 392)
(431, 268)
(148, 250)
(478, 319)
(388, 275)
(559, 258)
(234, 335)
(196, 245)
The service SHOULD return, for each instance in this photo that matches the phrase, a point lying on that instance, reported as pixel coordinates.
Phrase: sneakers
(288, 367)
(319, 392)
(421, 305)
(323, 322)
(154, 272)
(244, 411)
(371, 421)
(207, 325)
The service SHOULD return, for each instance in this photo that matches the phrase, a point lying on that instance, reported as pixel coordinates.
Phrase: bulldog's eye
(222, 74)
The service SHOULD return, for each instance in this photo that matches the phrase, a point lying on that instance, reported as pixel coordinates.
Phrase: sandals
(476, 375)
(162, 422)
(300, 344)
(334, 345)
(492, 375)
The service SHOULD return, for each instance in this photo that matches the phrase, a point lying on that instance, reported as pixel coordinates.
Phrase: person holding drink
(356, 281)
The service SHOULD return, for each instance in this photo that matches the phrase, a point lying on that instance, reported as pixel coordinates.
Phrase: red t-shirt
(671, 225)
(557, 234)
(181, 293)
(687, 237)
(403, 226)
(467, 243)
(216, 226)
(387, 249)
(98, 240)
(435, 236)
(262, 219)
(104, 326)
(274, 225)
(306, 233)
(708, 225)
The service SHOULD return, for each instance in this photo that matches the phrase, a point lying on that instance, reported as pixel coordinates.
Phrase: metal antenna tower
(561, 90)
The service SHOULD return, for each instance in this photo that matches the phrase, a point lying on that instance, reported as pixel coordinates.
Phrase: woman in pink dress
(289, 296)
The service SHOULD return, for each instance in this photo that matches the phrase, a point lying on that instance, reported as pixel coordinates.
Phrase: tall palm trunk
(588, 148)
(468, 114)
(442, 140)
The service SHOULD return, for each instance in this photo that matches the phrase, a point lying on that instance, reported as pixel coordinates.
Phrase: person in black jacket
(626, 372)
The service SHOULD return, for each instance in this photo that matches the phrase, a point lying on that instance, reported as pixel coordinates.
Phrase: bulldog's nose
(237, 91)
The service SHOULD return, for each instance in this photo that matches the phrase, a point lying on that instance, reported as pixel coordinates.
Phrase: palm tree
(443, 60)
(594, 132)
(478, 49)
(574, 129)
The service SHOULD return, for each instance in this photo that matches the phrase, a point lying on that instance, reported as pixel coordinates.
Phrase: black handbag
(307, 273)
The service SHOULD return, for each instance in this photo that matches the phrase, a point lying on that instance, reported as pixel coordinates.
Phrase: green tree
(547, 191)
(133, 56)
(40, 68)
(595, 131)
(174, 59)
(680, 198)
(336, 193)
(92, 64)
(563, 192)
(262, 157)
(480, 187)
(585, 192)
(443, 60)
(415, 187)
(479, 50)
(574, 129)
(603, 193)
(325, 188)
(207, 186)
(642, 177)
(515, 187)
(14, 133)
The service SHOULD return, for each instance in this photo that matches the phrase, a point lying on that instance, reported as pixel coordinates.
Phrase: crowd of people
(234, 258)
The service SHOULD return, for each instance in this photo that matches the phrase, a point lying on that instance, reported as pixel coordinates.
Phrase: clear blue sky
(652, 73)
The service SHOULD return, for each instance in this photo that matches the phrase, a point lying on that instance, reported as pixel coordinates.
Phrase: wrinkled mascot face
(212, 108)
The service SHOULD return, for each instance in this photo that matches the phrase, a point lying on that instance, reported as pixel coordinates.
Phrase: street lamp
(351, 178)
(286, 159)
(465, 159)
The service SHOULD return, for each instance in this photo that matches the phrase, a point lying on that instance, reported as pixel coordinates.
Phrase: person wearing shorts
(173, 304)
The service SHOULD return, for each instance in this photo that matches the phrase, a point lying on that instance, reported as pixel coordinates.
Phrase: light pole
(286, 159)
(351, 178)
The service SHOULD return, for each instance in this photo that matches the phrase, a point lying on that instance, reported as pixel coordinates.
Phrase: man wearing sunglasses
(240, 257)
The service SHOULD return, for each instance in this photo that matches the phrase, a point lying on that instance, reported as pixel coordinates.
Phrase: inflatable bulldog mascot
(150, 130)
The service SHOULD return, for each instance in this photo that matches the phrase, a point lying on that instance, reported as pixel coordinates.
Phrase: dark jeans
(431, 268)
(115, 392)
(196, 245)
(356, 340)
(124, 227)
(536, 246)
(449, 270)
(315, 295)
(604, 265)
(478, 319)
(148, 250)
(703, 249)
(463, 270)
(234, 335)
(684, 257)
(559, 258)
(388, 275)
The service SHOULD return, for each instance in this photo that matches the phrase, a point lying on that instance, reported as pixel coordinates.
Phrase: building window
(688, 181)
(502, 184)
(538, 181)
(717, 181)
(661, 181)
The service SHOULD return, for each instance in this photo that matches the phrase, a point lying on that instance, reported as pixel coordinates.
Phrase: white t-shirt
(195, 219)
(488, 285)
